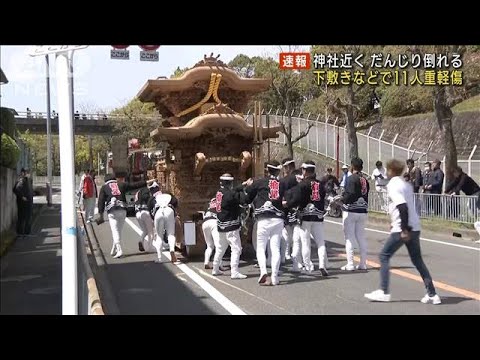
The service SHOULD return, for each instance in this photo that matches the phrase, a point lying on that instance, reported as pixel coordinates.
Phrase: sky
(101, 83)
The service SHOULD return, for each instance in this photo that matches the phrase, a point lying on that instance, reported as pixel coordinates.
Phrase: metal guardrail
(97, 116)
(457, 208)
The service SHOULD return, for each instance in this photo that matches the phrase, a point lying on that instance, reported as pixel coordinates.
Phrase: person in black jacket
(309, 197)
(163, 207)
(228, 200)
(291, 232)
(142, 214)
(355, 209)
(435, 186)
(112, 199)
(210, 232)
(267, 195)
(462, 182)
(24, 194)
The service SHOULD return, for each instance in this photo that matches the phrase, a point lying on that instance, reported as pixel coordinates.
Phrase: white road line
(204, 284)
(242, 290)
(424, 239)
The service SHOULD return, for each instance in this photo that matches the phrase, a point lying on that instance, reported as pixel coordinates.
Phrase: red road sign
(120, 46)
(149, 47)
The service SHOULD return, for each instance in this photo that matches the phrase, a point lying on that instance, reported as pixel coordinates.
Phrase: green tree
(286, 93)
(351, 103)
(178, 72)
(137, 120)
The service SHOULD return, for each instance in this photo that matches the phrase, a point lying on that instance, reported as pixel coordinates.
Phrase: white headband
(306, 166)
(288, 162)
(279, 167)
(227, 178)
(153, 185)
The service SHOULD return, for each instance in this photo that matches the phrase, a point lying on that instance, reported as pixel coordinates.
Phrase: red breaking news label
(294, 61)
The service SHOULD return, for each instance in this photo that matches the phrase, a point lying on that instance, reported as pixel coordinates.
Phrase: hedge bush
(10, 152)
(7, 121)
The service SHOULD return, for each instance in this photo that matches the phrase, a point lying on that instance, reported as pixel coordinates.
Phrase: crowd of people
(289, 213)
(288, 209)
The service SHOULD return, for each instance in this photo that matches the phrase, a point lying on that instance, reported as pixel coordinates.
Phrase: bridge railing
(96, 116)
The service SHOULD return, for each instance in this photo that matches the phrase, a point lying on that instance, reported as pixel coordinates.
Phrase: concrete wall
(8, 208)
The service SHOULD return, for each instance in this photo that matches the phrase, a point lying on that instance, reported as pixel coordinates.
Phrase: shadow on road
(148, 288)
(446, 300)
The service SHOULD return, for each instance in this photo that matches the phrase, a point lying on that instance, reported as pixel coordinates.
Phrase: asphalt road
(143, 287)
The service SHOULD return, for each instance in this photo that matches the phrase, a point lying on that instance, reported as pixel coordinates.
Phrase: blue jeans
(394, 243)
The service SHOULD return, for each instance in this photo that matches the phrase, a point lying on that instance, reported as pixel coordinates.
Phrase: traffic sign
(52, 49)
(120, 54)
(148, 55)
(149, 47)
(121, 47)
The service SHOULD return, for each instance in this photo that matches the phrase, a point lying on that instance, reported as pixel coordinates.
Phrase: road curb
(94, 301)
(98, 265)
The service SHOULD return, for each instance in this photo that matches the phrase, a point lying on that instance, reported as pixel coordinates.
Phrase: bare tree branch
(303, 133)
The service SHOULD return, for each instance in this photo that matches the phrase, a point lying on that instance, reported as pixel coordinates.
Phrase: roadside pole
(69, 221)
(64, 65)
(49, 136)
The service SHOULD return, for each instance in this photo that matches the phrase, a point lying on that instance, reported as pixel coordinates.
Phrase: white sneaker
(217, 272)
(288, 257)
(378, 295)
(275, 280)
(114, 249)
(238, 276)
(348, 268)
(119, 252)
(435, 300)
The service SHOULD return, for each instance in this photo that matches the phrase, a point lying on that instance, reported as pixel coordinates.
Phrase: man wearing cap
(355, 208)
(112, 199)
(142, 214)
(309, 196)
(228, 201)
(346, 174)
(267, 195)
(163, 208)
(291, 231)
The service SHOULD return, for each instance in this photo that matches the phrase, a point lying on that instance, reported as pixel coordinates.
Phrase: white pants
(146, 224)
(291, 235)
(210, 233)
(89, 205)
(477, 227)
(231, 238)
(269, 230)
(165, 222)
(313, 230)
(383, 195)
(354, 231)
(254, 243)
(116, 218)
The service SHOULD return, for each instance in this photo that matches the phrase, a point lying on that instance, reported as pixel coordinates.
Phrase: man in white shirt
(405, 229)
(346, 174)
(381, 181)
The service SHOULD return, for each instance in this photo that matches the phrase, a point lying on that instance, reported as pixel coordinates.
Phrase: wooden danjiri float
(206, 135)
